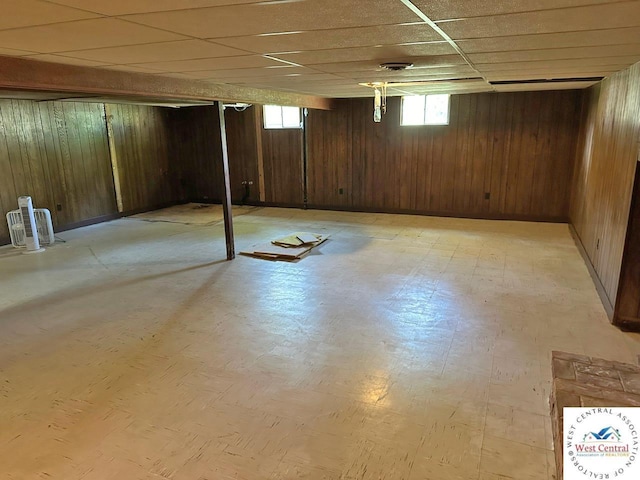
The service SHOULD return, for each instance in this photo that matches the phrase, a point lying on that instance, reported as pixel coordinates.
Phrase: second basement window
(276, 116)
(425, 110)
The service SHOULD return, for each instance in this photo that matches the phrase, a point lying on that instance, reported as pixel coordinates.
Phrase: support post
(226, 192)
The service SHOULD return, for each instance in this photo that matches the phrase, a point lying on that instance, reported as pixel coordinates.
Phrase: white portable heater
(30, 227)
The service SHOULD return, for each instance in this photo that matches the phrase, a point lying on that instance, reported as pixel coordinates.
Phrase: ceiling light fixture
(396, 66)
(379, 99)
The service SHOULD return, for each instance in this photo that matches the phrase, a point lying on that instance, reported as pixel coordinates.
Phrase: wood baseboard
(87, 222)
(428, 213)
(602, 293)
(627, 324)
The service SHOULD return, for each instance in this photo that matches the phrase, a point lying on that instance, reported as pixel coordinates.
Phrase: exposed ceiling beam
(24, 74)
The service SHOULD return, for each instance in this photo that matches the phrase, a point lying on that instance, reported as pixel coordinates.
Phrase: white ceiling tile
(291, 79)
(335, 38)
(558, 54)
(442, 87)
(377, 54)
(528, 87)
(579, 63)
(246, 73)
(15, 53)
(96, 33)
(457, 70)
(615, 15)
(548, 74)
(157, 52)
(247, 61)
(446, 9)
(374, 66)
(124, 7)
(131, 68)
(47, 57)
(25, 13)
(261, 18)
(591, 38)
(339, 43)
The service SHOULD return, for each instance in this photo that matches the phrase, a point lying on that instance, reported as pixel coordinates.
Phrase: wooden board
(270, 251)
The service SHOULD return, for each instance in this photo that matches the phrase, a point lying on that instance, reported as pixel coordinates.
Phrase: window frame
(282, 125)
(425, 111)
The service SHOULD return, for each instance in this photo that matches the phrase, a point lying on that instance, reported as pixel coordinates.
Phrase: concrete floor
(403, 348)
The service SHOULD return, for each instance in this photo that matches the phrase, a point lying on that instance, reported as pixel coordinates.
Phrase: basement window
(276, 116)
(425, 110)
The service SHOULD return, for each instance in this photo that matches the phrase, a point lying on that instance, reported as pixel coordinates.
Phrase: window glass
(290, 117)
(276, 116)
(425, 110)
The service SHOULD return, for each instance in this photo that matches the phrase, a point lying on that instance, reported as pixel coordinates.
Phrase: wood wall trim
(114, 157)
(431, 213)
(25, 74)
(259, 156)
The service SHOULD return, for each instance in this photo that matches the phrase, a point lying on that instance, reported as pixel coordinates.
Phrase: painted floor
(404, 347)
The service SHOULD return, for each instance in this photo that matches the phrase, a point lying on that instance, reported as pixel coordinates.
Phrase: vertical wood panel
(197, 153)
(243, 154)
(604, 173)
(56, 153)
(143, 158)
(282, 160)
(518, 147)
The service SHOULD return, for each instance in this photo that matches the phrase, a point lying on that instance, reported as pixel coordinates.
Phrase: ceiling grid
(326, 48)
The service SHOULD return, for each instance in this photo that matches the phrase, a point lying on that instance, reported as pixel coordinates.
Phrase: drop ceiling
(327, 47)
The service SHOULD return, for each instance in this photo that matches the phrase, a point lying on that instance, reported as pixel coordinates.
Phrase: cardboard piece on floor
(272, 251)
(298, 239)
(308, 237)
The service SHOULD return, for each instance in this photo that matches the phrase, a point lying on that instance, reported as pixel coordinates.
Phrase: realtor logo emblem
(601, 443)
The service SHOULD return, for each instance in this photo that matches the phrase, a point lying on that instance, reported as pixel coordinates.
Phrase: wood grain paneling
(243, 159)
(282, 160)
(515, 148)
(196, 148)
(627, 311)
(58, 154)
(604, 173)
(149, 171)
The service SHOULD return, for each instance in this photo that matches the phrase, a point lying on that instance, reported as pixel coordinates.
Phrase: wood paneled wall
(150, 170)
(627, 311)
(604, 174)
(517, 149)
(282, 157)
(196, 149)
(58, 154)
(242, 142)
